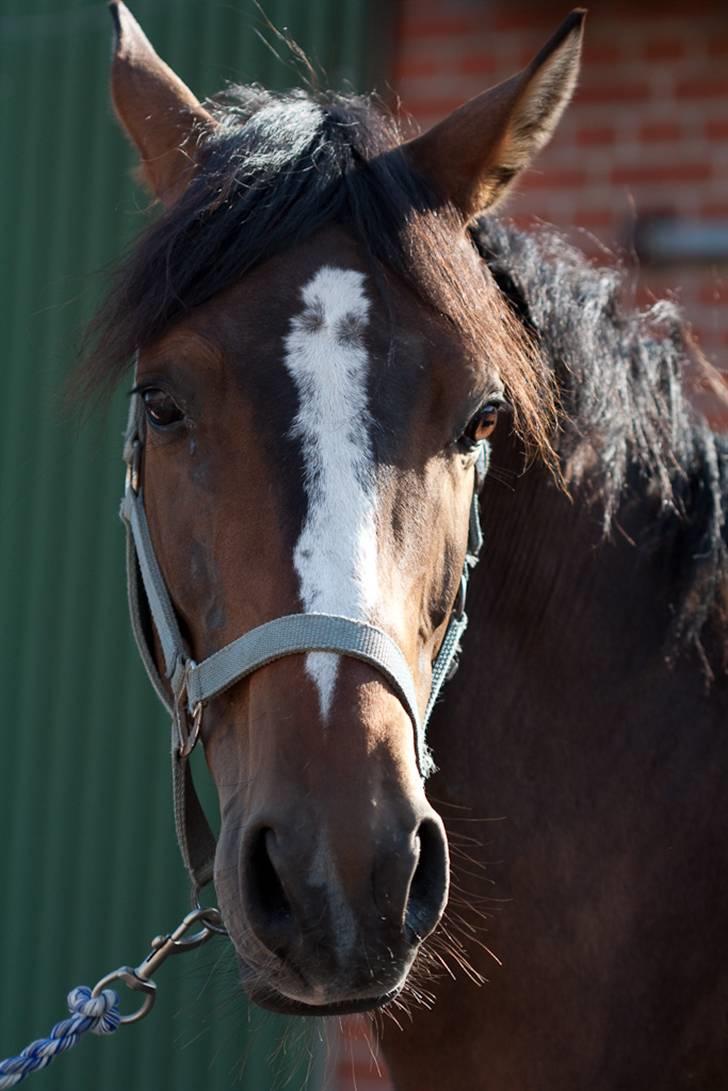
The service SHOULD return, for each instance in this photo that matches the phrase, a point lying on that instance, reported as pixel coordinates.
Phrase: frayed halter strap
(188, 686)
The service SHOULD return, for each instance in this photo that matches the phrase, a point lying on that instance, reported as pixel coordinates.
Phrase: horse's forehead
(345, 312)
(327, 275)
(269, 295)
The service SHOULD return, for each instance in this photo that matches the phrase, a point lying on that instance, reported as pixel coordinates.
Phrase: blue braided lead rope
(98, 1014)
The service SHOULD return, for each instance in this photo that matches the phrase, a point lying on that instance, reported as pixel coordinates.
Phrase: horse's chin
(288, 999)
(284, 1005)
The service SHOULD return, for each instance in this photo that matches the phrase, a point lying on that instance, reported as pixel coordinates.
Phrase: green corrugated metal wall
(88, 861)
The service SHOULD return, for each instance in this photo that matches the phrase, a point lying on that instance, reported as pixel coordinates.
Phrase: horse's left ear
(472, 156)
(157, 110)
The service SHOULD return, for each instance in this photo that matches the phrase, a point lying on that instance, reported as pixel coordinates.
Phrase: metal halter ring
(212, 918)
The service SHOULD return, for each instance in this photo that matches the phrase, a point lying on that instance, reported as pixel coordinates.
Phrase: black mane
(627, 427)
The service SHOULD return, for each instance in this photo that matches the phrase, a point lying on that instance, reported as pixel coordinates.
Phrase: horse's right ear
(471, 157)
(157, 110)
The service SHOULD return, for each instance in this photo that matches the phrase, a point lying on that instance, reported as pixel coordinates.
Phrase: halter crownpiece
(188, 686)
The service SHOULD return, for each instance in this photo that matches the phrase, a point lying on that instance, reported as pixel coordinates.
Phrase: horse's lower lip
(270, 996)
(275, 1001)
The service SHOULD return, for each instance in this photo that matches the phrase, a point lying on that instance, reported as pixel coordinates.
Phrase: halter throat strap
(188, 686)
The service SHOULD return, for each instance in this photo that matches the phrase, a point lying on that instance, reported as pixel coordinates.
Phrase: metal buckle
(188, 737)
(188, 734)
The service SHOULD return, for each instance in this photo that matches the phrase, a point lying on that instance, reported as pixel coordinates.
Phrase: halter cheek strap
(188, 686)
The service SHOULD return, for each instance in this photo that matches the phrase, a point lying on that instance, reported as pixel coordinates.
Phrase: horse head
(321, 354)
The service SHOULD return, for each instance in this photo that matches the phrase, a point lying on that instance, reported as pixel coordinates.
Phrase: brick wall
(357, 1064)
(646, 134)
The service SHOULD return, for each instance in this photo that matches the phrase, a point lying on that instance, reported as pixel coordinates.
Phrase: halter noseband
(192, 684)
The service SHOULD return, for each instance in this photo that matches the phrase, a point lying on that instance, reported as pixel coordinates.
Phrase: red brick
(414, 67)
(714, 208)
(355, 1028)
(678, 8)
(716, 130)
(674, 172)
(655, 131)
(624, 91)
(523, 17)
(703, 87)
(718, 45)
(478, 64)
(599, 53)
(432, 108)
(524, 55)
(643, 296)
(356, 1065)
(599, 134)
(713, 292)
(594, 218)
(439, 26)
(555, 179)
(360, 1078)
(523, 220)
(665, 49)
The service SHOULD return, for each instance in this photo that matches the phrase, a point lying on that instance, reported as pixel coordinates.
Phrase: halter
(187, 686)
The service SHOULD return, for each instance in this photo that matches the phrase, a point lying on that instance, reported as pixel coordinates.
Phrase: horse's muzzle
(332, 925)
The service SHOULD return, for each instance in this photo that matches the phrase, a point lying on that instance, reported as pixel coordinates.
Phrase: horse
(332, 330)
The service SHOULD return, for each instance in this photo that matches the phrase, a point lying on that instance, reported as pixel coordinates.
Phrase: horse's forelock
(277, 169)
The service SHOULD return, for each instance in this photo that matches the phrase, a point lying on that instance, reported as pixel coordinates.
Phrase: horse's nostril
(269, 906)
(428, 886)
(394, 901)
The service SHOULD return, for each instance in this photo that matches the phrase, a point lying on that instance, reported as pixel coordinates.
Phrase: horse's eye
(161, 408)
(483, 423)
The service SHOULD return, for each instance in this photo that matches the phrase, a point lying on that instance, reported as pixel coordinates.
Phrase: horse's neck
(556, 600)
(547, 559)
(567, 642)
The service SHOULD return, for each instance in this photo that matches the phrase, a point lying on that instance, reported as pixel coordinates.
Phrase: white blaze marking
(336, 555)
